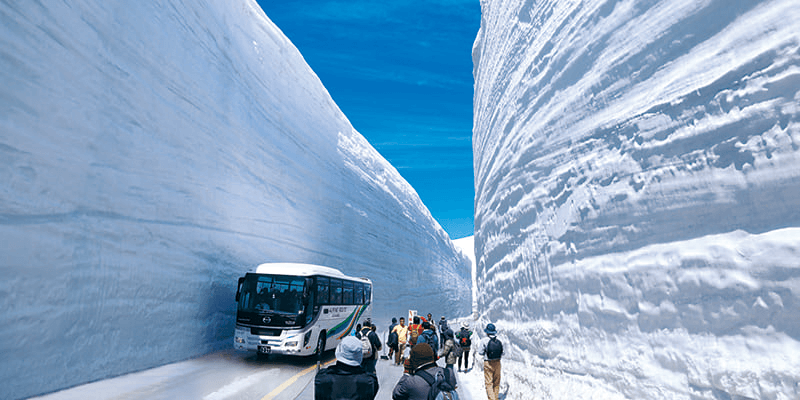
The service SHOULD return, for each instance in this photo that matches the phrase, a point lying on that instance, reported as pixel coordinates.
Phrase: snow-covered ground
(153, 152)
(638, 196)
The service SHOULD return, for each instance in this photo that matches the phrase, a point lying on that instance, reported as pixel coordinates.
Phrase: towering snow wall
(637, 169)
(150, 154)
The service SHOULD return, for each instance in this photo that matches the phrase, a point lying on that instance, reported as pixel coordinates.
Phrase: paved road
(225, 375)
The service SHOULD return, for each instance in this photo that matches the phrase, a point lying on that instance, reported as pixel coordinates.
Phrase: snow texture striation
(153, 152)
(637, 172)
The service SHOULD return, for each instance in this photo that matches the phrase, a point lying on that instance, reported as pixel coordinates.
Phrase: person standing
(463, 339)
(402, 341)
(346, 379)
(369, 335)
(492, 351)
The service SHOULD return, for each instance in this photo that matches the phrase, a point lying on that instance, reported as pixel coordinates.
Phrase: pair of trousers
(369, 364)
(491, 377)
(398, 354)
(464, 356)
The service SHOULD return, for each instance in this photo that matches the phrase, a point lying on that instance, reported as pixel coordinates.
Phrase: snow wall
(153, 152)
(637, 172)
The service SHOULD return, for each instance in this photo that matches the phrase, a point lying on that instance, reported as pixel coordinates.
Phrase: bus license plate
(264, 349)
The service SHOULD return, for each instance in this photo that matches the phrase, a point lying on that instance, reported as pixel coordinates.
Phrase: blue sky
(401, 71)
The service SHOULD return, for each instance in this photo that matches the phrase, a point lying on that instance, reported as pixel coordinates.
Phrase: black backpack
(494, 349)
(463, 338)
(392, 341)
(441, 389)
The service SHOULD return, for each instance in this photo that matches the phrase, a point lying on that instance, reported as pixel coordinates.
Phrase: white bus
(298, 309)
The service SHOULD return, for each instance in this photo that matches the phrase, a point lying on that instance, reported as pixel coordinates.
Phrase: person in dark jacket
(413, 386)
(392, 340)
(465, 341)
(369, 362)
(442, 328)
(346, 379)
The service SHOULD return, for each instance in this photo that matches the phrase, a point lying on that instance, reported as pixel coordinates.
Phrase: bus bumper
(288, 343)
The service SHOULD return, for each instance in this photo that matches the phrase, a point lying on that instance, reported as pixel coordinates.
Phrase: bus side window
(367, 293)
(359, 294)
(336, 291)
(347, 292)
(323, 290)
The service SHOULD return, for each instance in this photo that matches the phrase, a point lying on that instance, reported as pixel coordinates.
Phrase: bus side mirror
(239, 288)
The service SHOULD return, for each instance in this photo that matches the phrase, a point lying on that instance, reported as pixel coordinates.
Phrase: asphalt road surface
(225, 375)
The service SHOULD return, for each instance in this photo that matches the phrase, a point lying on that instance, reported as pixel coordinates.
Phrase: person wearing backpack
(450, 349)
(392, 339)
(492, 351)
(442, 327)
(464, 340)
(414, 330)
(346, 379)
(429, 336)
(371, 345)
(425, 379)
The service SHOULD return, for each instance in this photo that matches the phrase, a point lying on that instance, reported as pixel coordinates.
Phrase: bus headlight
(238, 339)
(292, 343)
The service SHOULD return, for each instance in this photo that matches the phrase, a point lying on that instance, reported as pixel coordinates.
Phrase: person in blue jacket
(429, 336)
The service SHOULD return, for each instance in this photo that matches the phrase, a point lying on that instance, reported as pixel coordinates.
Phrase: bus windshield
(276, 293)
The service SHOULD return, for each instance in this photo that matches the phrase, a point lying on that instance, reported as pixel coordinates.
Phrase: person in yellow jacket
(402, 340)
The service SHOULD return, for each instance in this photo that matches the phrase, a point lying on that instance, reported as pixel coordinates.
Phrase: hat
(421, 354)
(465, 324)
(490, 329)
(349, 351)
(442, 316)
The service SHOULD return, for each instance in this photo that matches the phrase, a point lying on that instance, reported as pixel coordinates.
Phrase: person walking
(492, 351)
(371, 345)
(402, 341)
(463, 339)
(422, 366)
(433, 328)
(442, 327)
(391, 340)
(429, 336)
(346, 379)
(414, 330)
(450, 349)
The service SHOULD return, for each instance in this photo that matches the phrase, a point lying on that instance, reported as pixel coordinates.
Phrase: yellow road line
(271, 395)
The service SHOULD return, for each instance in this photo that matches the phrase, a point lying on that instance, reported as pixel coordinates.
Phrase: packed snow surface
(637, 168)
(153, 152)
